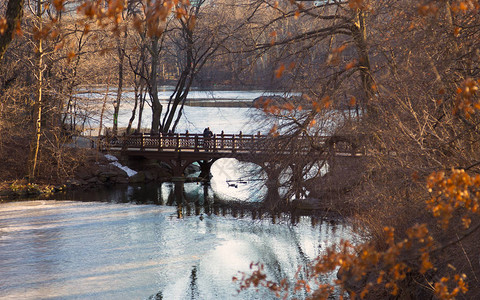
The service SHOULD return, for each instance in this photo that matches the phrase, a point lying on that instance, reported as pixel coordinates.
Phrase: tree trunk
(183, 86)
(156, 106)
(140, 111)
(35, 148)
(138, 94)
(103, 107)
(368, 85)
(116, 105)
(13, 15)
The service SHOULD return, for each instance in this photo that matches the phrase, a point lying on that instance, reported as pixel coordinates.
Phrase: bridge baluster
(177, 145)
(258, 139)
(196, 143)
(160, 141)
(222, 142)
(240, 144)
(142, 145)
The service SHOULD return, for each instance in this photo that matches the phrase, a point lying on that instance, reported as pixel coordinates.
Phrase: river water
(221, 110)
(111, 250)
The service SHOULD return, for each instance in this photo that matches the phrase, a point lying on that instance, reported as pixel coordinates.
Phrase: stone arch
(178, 166)
(205, 167)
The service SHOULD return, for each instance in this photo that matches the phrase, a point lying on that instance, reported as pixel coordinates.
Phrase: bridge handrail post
(160, 141)
(177, 145)
(252, 142)
(222, 143)
(214, 141)
(240, 145)
(233, 144)
(142, 145)
(196, 143)
(258, 140)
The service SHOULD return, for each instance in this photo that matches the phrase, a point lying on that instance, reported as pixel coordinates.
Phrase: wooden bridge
(180, 150)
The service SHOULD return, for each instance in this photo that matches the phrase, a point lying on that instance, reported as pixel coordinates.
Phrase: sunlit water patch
(238, 181)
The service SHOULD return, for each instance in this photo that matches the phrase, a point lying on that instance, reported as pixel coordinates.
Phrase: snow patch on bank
(114, 161)
(111, 157)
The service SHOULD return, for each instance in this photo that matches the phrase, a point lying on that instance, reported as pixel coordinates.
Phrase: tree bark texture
(13, 15)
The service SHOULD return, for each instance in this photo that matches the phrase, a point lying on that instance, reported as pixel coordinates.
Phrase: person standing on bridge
(207, 136)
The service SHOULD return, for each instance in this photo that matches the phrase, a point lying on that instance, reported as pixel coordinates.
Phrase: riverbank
(96, 170)
(22, 189)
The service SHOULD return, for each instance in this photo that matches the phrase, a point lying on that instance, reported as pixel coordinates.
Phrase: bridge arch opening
(237, 180)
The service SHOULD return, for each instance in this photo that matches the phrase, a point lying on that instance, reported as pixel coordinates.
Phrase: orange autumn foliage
(359, 262)
(467, 100)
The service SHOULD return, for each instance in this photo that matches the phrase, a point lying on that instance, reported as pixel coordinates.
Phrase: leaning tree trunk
(138, 93)
(183, 86)
(103, 107)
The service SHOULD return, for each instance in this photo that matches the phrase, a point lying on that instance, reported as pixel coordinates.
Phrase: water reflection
(191, 199)
(185, 245)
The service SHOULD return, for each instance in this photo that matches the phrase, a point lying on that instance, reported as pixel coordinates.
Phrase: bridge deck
(225, 145)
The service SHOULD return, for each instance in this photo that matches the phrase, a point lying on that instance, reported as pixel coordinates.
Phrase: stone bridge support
(205, 167)
(272, 183)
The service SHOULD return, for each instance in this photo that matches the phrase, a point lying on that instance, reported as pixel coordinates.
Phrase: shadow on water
(191, 199)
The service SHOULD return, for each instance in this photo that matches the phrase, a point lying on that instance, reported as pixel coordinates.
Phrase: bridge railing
(185, 141)
(226, 143)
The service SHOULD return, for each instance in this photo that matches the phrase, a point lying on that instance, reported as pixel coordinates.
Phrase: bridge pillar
(272, 183)
(204, 200)
(297, 179)
(205, 166)
(178, 195)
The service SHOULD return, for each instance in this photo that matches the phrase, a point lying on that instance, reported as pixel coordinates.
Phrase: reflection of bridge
(180, 150)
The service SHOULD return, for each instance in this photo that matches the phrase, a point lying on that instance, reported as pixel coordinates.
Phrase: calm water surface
(94, 250)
